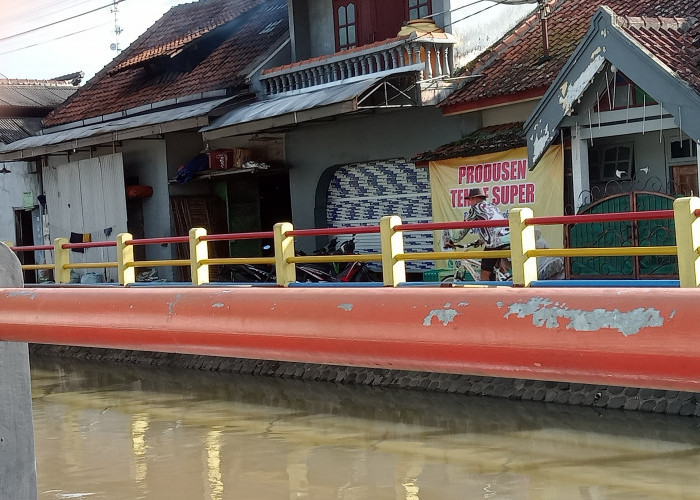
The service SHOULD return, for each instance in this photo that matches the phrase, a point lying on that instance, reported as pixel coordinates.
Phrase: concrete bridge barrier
(644, 338)
(17, 462)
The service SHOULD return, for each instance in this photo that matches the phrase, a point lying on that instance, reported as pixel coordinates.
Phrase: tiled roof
(513, 68)
(237, 32)
(673, 41)
(32, 94)
(482, 141)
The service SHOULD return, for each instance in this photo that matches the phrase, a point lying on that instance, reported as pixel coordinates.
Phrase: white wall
(87, 196)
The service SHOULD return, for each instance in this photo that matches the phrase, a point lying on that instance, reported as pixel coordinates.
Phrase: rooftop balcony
(430, 53)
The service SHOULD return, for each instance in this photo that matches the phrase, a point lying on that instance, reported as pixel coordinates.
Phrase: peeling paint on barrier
(218, 304)
(345, 307)
(22, 293)
(171, 305)
(445, 316)
(547, 313)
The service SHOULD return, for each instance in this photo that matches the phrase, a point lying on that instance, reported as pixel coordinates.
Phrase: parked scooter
(353, 271)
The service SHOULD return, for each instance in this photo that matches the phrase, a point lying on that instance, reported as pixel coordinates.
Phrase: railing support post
(687, 240)
(393, 270)
(284, 249)
(522, 240)
(199, 251)
(61, 256)
(125, 260)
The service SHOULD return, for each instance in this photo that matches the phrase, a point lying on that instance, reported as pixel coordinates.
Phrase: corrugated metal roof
(292, 103)
(33, 95)
(14, 129)
(157, 118)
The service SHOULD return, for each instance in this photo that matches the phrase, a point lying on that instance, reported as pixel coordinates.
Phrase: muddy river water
(106, 431)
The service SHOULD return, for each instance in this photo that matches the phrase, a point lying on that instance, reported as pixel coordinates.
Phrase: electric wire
(115, 2)
(74, 3)
(54, 39)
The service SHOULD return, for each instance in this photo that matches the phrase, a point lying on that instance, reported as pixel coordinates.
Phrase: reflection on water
(122, 432)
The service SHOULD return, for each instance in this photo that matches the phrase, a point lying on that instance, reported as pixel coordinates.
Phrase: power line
(115, 2)
(53, 39)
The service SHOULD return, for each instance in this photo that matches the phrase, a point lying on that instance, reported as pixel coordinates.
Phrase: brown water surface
(121, 432)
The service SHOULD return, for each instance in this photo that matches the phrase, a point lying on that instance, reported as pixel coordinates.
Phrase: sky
(43, 39)
(38, 38)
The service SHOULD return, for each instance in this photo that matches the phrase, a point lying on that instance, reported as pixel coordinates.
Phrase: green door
(623, 234)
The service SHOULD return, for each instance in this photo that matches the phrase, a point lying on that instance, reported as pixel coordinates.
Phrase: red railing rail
(391, 254)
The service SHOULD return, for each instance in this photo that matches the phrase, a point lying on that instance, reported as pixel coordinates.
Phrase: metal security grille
(362, 193)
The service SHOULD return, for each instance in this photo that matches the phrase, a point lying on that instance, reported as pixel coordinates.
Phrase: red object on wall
(221, 159)
(139, 191)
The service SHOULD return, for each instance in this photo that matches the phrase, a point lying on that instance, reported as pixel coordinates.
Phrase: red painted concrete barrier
(628, 337)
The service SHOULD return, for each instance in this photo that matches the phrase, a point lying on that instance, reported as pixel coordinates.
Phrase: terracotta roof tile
(674, 41)
(513, 67)
(482, 141)
(239, 33)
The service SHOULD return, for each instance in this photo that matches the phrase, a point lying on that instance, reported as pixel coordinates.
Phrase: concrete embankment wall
(599, 396)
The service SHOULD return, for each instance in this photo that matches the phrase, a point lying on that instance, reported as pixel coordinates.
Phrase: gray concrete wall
(312, 149)
(322, 36)
(17, 462)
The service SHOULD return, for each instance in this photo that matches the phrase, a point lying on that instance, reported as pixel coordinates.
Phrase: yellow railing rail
(393, 258)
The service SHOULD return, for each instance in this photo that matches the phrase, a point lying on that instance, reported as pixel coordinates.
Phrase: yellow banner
(506, 180)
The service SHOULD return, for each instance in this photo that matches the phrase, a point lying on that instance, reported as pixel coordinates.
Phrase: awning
(158, 122)
(306, 105)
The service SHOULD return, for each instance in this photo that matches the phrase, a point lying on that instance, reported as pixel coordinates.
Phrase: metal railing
(392, 256)
(431, 54)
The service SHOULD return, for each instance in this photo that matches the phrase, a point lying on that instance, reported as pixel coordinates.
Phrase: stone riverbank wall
(600, 396)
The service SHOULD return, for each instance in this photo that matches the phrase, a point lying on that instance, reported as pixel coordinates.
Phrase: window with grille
(612, 163)
(418, 9)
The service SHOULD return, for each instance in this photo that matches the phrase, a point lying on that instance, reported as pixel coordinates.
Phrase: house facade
(615, 88)
(322, 103)
(110, 156)
(23, 105)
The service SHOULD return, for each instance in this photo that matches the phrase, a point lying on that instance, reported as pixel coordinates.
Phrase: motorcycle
(344, 272)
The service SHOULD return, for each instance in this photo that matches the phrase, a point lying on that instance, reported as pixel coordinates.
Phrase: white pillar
(579, 168)
(17, 463)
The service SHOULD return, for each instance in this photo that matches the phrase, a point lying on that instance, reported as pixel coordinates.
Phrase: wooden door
(362, 22)
(685, 180)
(390, 17)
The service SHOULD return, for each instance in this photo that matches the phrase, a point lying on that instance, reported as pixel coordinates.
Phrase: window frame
(597, 160)
(419, 4)
(347, 27)
(681, 160)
